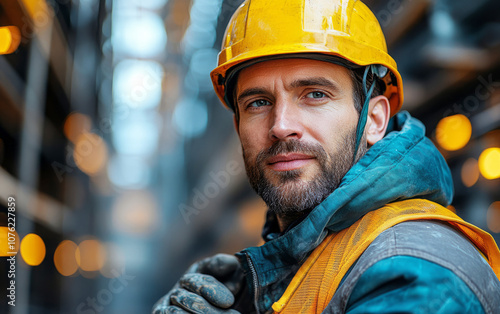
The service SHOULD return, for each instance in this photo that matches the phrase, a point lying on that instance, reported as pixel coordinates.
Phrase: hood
(403, 165)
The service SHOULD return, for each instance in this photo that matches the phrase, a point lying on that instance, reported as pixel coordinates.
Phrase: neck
(285, 220)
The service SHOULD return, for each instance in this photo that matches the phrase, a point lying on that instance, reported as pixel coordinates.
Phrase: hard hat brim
(394, 91)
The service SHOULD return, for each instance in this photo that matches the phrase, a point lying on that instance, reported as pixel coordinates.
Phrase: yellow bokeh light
(489, 163)
(65, 258)
(135, 212)
(91, 153)
(75, 125)
(6, 238)
(470, 172)
(453, 132)
(90, 255)
(10, 38)
(493, 217)
(32, 249)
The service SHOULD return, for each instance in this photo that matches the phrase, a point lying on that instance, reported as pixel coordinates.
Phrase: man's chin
(286, 179)
(296, 176)
(291, 189)
(290, 196)
(291, 200)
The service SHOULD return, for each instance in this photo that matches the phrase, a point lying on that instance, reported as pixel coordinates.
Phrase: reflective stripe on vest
(315, 283)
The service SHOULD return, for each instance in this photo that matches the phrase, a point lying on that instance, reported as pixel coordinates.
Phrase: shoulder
(420, 266)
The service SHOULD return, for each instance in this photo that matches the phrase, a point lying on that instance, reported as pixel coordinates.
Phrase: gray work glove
(207, 286)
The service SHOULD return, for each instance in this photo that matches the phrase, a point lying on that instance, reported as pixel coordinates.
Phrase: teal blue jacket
(403, 165)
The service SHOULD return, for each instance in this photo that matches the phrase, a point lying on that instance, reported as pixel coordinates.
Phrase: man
(357, 220)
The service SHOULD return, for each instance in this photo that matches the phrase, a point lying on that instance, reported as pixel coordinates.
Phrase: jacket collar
(404, 164)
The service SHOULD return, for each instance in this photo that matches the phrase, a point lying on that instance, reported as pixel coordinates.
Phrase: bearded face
(285, 192)
(296, 121)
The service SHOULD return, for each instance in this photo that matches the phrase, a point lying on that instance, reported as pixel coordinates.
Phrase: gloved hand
(207, 286)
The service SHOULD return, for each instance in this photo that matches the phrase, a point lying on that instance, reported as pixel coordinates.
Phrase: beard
(293, 197)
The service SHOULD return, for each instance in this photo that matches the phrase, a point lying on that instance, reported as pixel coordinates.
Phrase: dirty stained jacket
(386, 278)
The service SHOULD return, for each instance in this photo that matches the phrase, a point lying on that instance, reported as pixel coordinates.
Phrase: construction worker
(357, 194)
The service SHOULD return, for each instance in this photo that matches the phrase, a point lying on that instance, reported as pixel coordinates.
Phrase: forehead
(288, 70)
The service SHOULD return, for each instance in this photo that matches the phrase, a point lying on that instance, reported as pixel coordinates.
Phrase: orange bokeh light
(90, 255)
(470, 172)
(65, 259)
(75, 125)
(493, 217)
(135, 212)
(91, 153)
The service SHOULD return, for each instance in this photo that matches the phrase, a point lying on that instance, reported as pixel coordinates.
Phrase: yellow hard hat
(342, 28)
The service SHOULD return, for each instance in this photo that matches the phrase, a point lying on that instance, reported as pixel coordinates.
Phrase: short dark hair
(357, 86)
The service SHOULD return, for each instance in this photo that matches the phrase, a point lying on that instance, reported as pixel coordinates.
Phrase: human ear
(378, 118)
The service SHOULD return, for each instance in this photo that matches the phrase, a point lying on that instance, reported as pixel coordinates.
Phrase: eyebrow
(315, 81)
(250, 92)
(312, 81)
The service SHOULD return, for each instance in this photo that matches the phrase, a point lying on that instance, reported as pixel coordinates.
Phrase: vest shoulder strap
(430, 240)
(318, 278)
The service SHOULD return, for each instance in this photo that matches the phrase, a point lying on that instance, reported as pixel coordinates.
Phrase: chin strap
(378, 71)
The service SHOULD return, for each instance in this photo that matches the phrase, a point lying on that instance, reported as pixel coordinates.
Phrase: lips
(289, 161)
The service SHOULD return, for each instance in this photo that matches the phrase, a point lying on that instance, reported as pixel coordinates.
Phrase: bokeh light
(129, 172)
(442, 24)
(470, 172)
(453, 132)
(204, 11)
(191, 117)
(75, 125)
(10, 38)
(198, 37)
(32, 249)
(137, 84)
(489, 163)
(138, 33)
(493, 217)
(5, 249)
(65, 259)
(202, 62)
(91, 153)
(90, 255)
(135, 212)
(138, 134)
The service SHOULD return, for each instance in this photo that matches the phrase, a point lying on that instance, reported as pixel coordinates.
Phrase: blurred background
(122, 167)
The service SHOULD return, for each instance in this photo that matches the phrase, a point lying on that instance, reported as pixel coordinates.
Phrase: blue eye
(259, 103)
(316, 95)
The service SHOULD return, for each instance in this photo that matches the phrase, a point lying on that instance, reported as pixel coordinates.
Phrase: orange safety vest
(315, 283)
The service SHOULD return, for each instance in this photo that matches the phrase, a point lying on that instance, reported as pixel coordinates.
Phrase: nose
(286, 123)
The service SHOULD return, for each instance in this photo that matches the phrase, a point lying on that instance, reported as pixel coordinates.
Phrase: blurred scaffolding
(123, 168)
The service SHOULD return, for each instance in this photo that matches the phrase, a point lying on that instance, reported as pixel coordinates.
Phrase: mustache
(292, 146)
